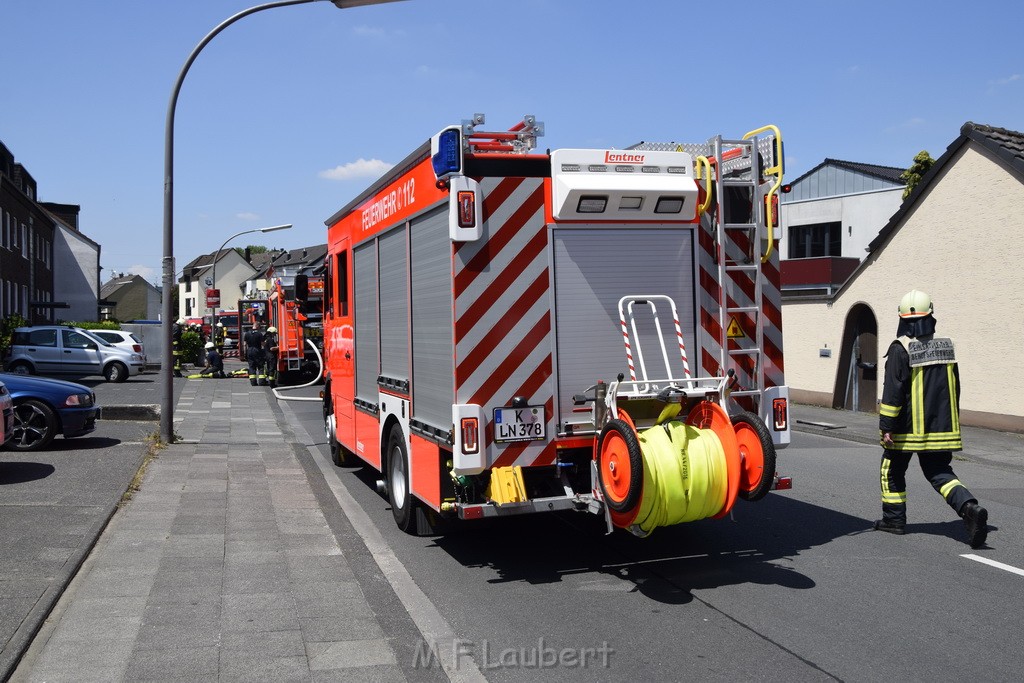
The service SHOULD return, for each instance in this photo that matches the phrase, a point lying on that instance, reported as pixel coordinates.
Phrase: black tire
(403, 504)
(21, 368)
(635, 491)
(35, 425)
(764, 485)
(116, 372)
(340, 455)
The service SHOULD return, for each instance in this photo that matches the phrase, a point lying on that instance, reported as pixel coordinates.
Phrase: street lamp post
(216, 257)
(167, 367)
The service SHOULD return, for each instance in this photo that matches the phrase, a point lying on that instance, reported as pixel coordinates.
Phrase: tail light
(470, 435)
(137, 348)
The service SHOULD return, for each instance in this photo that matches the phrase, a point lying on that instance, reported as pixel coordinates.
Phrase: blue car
(44, 408)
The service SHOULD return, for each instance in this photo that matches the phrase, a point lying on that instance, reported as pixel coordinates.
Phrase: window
(24, 241)
(76, 340)
(341, 276)
(37, 338)
(818, 239)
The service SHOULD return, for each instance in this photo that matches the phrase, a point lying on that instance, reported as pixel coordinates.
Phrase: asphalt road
(54, 504)
(794, 587)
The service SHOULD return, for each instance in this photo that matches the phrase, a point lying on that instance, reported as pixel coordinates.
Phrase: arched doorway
(856, 385)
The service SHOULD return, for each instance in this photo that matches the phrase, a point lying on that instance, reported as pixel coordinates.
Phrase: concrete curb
(146, 412)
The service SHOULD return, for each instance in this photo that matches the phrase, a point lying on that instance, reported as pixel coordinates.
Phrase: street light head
(345, 4)
(276, 227)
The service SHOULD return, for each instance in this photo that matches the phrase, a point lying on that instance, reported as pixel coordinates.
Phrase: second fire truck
(597, 330)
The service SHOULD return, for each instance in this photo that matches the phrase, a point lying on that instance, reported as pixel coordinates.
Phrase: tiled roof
(890, 173)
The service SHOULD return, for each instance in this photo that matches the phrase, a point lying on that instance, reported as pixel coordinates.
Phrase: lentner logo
(622, 158)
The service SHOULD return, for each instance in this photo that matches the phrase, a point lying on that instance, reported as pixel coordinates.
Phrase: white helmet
(220, 324)
(209, 345)
(181, 321)
(916, 304)
(271, 329)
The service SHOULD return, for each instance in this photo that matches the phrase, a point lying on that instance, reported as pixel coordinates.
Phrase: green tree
(912, 176)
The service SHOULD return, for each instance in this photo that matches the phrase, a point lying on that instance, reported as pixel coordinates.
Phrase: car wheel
(116, 372)
(35, 425)
(20, 368)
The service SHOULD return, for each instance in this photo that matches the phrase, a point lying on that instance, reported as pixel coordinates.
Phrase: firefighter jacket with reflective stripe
(921, 397)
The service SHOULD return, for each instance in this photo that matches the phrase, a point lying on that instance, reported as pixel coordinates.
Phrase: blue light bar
(446, 152)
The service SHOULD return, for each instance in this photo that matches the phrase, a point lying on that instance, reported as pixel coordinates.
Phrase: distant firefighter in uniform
(214, 362)
(176, 331)
(254, 353)
(218, 338)
(920, 413)
(270, 353)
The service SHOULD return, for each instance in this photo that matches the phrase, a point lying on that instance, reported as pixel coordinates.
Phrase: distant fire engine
(595, 330)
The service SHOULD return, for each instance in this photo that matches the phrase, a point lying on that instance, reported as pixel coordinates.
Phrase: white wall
(76, 275)
(862, 216)
(962, 244)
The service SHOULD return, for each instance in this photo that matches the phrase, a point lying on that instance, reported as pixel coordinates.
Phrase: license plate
(519, 424)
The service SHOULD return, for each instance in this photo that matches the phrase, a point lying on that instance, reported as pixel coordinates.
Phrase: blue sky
(291, 112)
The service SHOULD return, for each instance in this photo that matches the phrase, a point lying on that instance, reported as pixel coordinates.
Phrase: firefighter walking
(176, 331)
(218, 338)
(254, 354)
(920, 413)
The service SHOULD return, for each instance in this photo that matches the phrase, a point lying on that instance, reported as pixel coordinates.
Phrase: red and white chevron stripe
(503, 321)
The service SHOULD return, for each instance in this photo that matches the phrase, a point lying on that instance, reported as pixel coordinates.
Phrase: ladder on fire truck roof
(738, 165)
(739, 240)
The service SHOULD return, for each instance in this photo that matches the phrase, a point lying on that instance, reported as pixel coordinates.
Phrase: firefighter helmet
(209, 345)
(181, 321)
(916, 304)
(220, 324)
(271, 329)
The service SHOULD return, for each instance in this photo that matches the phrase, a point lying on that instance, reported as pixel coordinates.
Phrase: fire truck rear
(595, 330)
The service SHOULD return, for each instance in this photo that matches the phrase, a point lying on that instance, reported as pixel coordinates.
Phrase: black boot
(898, 528)
(976, 520)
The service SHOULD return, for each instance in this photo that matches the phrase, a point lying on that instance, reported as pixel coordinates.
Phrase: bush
(7, 327)
(191, 347)
(105, 325)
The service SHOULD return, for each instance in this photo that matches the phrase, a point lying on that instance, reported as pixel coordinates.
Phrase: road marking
(436, 630)
(993, 563)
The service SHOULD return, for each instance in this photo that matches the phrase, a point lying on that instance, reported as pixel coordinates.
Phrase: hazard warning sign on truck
(734, 331)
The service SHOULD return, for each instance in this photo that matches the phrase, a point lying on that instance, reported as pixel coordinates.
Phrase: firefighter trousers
(936, 468)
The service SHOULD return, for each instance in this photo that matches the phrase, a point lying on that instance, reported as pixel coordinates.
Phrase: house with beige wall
(960, 238)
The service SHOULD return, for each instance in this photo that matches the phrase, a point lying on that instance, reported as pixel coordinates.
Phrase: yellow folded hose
(685, 476)
(671, 473)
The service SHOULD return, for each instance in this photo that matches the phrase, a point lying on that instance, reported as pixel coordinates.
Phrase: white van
(53, 349)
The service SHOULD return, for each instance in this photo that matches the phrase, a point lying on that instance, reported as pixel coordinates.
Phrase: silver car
(53, 349)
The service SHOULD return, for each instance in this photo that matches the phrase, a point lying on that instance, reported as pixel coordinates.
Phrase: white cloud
(247, 216)
(906, 125)
(360, 168)
(145, 271)
(1006, 81)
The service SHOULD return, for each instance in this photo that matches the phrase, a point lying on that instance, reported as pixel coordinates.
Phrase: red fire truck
(296, 313)
(595, 330)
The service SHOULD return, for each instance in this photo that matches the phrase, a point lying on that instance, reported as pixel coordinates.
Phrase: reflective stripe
(947, 489)
(888, 495)
(954, 415)
(917, 399)
(886, 410)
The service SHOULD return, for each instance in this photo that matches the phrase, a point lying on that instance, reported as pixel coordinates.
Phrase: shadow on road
(668, 565)
(21, 472)
(82, 443)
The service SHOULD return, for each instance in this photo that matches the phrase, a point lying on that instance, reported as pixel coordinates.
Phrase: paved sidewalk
(222, 567)
(998, 449)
